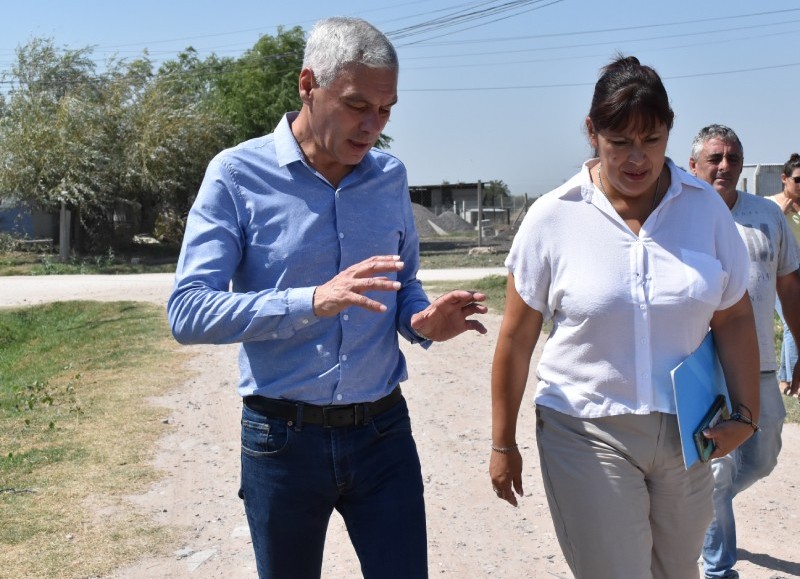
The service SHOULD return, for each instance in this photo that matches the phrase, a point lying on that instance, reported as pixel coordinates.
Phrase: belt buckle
(332, 416)
(352, 415)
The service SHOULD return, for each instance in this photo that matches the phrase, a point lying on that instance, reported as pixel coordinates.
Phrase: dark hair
(792, 164)
(628, 92)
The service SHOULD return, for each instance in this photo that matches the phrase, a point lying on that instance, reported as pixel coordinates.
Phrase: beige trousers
(623, 505)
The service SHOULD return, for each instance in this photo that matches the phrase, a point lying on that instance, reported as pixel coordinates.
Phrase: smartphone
(717, 412)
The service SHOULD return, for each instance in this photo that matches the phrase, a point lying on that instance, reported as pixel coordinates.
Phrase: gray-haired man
(314, 228)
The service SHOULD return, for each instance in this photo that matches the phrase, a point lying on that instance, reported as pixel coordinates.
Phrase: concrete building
(461, 199)
(762, 179)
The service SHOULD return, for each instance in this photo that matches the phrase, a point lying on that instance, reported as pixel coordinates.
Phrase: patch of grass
(440, 253)
(157, 258)
(451, 259)
(17, 263)
(453, 251)
(76, 433)
(792, 409)
(494, 286)
(792, 404)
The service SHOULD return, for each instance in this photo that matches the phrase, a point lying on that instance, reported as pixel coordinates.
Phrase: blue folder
(697, 381)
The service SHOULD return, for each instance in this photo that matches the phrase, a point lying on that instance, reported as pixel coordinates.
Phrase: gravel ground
(471, 534)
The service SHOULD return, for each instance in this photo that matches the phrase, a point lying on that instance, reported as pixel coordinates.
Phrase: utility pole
(480, 215)
(64, 232)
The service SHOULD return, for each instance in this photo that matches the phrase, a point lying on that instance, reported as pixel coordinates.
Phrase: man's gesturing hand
(448, 315)
(348, 287)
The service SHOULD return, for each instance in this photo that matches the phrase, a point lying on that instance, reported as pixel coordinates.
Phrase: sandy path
(471, 534)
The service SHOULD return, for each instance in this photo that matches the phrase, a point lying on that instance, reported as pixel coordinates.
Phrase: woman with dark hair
(789, 201)
(632, 260)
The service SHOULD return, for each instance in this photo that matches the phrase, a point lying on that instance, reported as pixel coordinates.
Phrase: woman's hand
(728, 435)
(505, 470)
(516, 341)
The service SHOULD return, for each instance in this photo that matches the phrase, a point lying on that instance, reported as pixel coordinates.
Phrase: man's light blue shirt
(264, 231)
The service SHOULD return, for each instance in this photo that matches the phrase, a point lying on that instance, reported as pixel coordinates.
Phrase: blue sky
(502, 96)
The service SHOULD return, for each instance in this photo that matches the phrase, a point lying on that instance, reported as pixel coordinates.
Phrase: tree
(175, 131)
(494, 191)
(130, 140)
(101, 143)
(48, 129)
(254, 91)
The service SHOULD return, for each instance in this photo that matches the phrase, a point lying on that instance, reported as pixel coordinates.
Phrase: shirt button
(341, 236)
(344, 357)
(305, 321)
(642, 307)
(338, 397)
(274, 334)
(345, 317)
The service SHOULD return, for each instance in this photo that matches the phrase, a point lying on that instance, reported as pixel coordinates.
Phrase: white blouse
(626, 308)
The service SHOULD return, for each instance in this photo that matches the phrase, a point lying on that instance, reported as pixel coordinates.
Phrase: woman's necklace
(603, 189)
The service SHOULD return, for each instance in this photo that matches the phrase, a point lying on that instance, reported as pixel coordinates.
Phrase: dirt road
(471, 534)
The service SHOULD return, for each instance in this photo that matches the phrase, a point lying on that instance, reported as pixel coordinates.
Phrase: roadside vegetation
(77, 432)
(163, 257)
(494, 286)
(124, 146)
(110, 262)
(792, 404)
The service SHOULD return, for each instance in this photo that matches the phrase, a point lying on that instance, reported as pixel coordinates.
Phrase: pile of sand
(423, 219)
(451, 222)
(431, 225)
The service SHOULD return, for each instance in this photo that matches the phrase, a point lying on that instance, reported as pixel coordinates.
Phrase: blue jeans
(789, 352)
(735, 472)
(294, 475)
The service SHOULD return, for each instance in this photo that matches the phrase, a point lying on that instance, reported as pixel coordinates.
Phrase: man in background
(717, 157)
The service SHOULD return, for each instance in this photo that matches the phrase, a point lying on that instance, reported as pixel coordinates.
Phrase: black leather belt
(327, 416)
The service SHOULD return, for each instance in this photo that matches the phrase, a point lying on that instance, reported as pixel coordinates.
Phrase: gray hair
(338, 42)
(714, 132)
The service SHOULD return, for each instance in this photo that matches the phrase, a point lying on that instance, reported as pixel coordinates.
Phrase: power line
(592, 83)
(489, 22)
(550, 59)
(484, 8)
(616, 41)
(493, 40)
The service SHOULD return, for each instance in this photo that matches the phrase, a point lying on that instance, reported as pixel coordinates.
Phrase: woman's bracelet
(739, 417)
(504, 449)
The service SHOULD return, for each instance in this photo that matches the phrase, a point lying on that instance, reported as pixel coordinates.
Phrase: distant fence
(35, 245)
